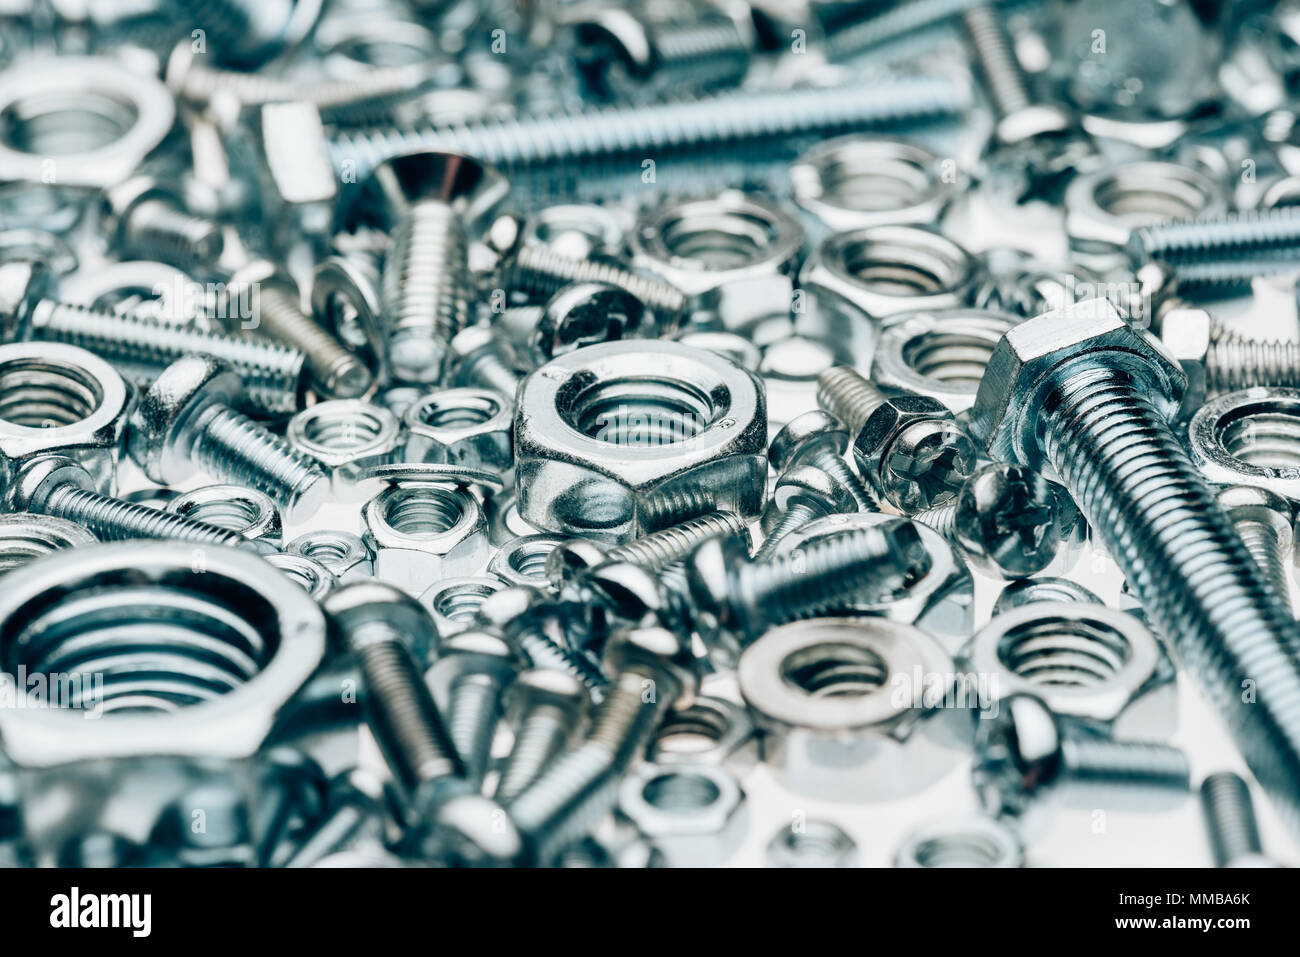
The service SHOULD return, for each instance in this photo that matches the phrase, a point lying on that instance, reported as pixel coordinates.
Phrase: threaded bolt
(1263, 519)
(539, 272)
(1233, 363)
(479, 359)
(471, 675)
(1224, 237)
(581, 785)
(922, 458)
(820, 439)
(709, 121)
(891, 25)
(546, 651)
(1230, 822)
(1221, 280)
(185, 421)
(148, 220)
(797, 514)
(60, 487)
(1022, 756)
(1093, 405)
(998, 65)
(352, 805)
(544, 708)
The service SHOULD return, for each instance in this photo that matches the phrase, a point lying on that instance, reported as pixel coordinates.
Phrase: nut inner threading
(1266, 434)
(891, 264)
(639, 410)
(1072, 653)
(460, 601)
(680, 792)
(60, 123)
(422, 510)
(835, 670)
(437, 412)
(719, 238)
(40, 393)
(954, 358)
(1134, 195)
(958, 849)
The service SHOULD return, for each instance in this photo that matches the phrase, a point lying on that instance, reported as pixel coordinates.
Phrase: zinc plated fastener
(819, 439)
(1263, 519)
(1230, 822)
(473, 671)
(802, 495)
(148, 220)
(1231, 236)
(544, 706)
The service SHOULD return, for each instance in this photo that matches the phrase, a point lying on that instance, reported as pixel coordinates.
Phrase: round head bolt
(811, 486)
(622, 594)
(805, 436)
(22, 286)
(583, 314)
(1009, 519)
(539, 688)
(918, 452)
(470, 654)
(351, 608)
(1019, 758)
(659, 654)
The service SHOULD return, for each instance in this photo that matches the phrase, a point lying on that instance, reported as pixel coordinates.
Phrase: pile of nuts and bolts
(514, 434)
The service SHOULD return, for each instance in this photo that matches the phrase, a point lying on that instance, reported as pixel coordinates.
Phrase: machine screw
(1022, 755)
(480, 359)
(598, 133)
(801, 495)
(470, 677)
(544, 706)
(818, 438)
(926, 458)
(185, 421)
(541, 629)
(147, 219)
(429, 199)
(352, 805)
(1100, 405)
(1230, 822)
(273, 374)
(1263, 519)
(1230, 236)
(58, 486)
(890, 25)
(336, 372)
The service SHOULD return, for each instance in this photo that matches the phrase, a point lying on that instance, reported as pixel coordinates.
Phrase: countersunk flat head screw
(545, 707)
(1022, 756)
(61, 487)
(1230, 822)
(430, 199)
(802, 494)
(1082, 391)
(469, 680)
(819, 438)
(273, 301)
(147, 219)
(185, 421)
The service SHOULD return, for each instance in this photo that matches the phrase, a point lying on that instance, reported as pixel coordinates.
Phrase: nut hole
(61, 124)
(1074, 653)
(1139, 199)
(953, 358)
(422, 511)
(817, 843)
(719, 239)
(340, 430)
(465, 412)
(42, 393)
(680, 792)
(461, 601)
(690, 731)
(831, 670)
(639, 410)
(958, 850)
(236, 514)
(1264, 434)
(901, 268)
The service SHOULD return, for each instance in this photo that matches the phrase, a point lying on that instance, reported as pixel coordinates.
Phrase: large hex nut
(470, 427)
(600, 431)
(1086, 662)
(421, 532)
(941, 601)
(695, 814)
(188, 666)
(856, 709)
(1226, 432)
(59, 398)
(347, 437)
(735, 256)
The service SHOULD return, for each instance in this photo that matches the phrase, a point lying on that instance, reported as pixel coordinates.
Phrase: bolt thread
(472, 715)
(1097, 763)
(848, 396)
(652, 552)
(1220, 280)
(543, 651)
(425, 283)
(796, 517)
(337, 372)
(1269, 553)
(366, 99)
(1233, 364)
(942, 518)
(400, 710)
(234, 448)
(890, 25)
(834, 465)
(1185, 562)
(661, 127)
(539, 272)
(702, 54)
(662, 509)
(541, 736)
(826, 575)
(112, 520)
(1218, 237)
(271, 372)
(161, 231)
(992, 48)
(1229, 818)
(335, 833)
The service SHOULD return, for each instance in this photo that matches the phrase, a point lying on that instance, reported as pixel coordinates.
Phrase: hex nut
(941, 601)
(710, 730)
(342, 554)
(60, 398)
(843, 718)
(347, 437)
(454, 602)
(522, 561)
(422, 532)
(603, 432)
(696, 815)
(1226, 433)
(735, 256)
(1088, 663)
(25, 537)
(244, 510)
(470, 427)
(313, 577)
(969, 841)
(812, 842)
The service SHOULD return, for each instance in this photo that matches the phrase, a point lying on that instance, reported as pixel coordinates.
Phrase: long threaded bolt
(58, 486)
(539, 272)
(921, 460)
(1002, 74)
(272, 373)
(545, 707)
(1228, 236)
(1232, 363)
(1230, 822)
(185, 420)
(581, 785)
(595, 133)
(1092, 403)
(1023, 756)
(891, 25)
(1222, 280)
(1263, 519)
(473, 671)
(479, 359)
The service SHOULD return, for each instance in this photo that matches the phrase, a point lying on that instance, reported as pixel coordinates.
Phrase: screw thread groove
(992, 47)
(541, 736)
(234, 448)
(668, 545)
(848, 396)
(942, 518)
(1233, 364)
(837, 468)
(1098, 762)
(1227, 235)
(1269, 553)
(111, 520)
(334, 369)
(424, 290)
(543, 651)
(796, 517)
(539, 272)
(161, 231)
(1229, 818)
(472, 715)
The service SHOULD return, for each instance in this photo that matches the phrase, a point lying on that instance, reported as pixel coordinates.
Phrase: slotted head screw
(1081, 391)
(185, 421)
(429, 200)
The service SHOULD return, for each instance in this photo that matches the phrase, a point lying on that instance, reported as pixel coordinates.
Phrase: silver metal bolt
(1230, 236)
(1263, 519)
(801, 495)
(146, 219)
(1230, 822)
(545, 707)
(470, 678)
(820, 439)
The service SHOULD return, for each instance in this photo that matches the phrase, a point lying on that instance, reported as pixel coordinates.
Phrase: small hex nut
(343, 554)
(604, 432)
(695, 814)
(886, 739)
(56, 398)
(469, 427)
(710, 730)
(454, 602)
(421, 532)
(1088, 663)
(522, 561)
(314, 577)
(347, 437)
(244, 510)
(814, 842)
(968, 841)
